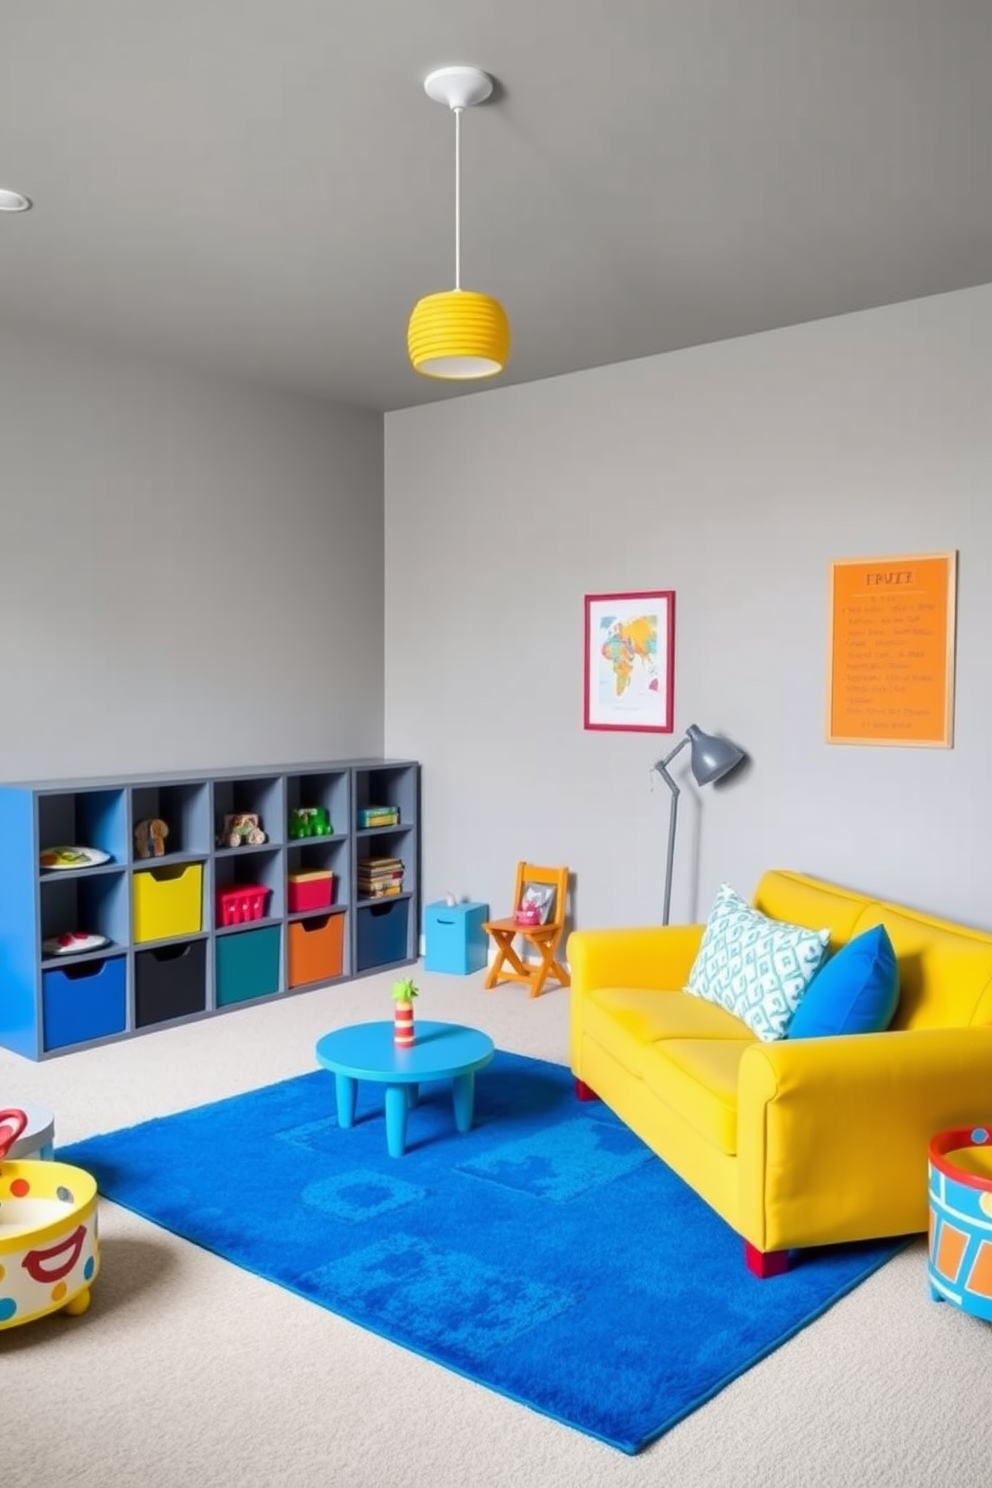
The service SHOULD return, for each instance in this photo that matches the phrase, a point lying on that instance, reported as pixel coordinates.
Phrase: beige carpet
(189, 1371)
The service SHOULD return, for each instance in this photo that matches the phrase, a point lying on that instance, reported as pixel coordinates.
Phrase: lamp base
(458, 87)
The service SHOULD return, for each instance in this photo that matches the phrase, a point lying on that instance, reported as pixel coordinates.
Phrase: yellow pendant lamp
(458, 334)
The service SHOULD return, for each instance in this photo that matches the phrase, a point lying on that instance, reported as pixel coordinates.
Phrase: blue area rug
(546, 1254)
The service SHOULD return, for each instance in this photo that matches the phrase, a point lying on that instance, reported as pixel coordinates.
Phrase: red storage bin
(306, 891)
(241, 902)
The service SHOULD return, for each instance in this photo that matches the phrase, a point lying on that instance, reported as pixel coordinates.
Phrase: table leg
(397, 1105)
(463, 1096)
(345, 1089)
(412, 1095)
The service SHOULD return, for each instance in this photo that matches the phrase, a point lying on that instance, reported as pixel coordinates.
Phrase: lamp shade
(711, 757)
(458, 334)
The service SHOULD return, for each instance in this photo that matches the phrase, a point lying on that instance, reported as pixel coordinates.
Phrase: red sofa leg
(765, 1263)
(583, 1091)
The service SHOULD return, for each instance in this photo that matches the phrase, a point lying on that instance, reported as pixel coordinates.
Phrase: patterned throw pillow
(756, 968)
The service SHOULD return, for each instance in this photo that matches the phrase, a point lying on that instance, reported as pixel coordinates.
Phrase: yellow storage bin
(168, 902)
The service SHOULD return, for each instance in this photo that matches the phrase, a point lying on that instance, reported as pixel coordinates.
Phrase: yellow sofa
(795, 1143)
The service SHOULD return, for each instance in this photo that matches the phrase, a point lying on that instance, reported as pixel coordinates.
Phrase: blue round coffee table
(441, 1051)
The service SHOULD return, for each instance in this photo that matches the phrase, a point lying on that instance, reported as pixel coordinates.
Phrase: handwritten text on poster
(892, 650)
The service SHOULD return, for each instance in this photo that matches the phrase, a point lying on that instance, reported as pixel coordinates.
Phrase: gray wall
(190, 568)
(733, 474)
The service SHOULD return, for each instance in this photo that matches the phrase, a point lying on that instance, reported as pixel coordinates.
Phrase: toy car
(241, 830)
(310, 821)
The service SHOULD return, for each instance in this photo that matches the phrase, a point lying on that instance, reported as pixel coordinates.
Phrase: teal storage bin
(454, 940)
(84, 1001)
(248, 965)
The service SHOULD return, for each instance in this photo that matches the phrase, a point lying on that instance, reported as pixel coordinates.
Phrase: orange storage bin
(316, 950)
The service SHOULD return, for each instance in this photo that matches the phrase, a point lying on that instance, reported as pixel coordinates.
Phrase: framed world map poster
(630, 661)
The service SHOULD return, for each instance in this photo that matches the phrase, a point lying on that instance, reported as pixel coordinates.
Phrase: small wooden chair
(545, 938)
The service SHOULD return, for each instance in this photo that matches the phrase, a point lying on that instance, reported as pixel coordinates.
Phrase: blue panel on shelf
(102, 822)
(19, 947)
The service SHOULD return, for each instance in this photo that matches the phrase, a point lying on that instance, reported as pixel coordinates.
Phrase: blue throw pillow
(855, 992)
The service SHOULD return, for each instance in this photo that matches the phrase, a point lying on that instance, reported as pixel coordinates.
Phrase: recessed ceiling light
(13, 201)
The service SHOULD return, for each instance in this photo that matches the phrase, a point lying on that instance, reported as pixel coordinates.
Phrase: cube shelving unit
(181, 963)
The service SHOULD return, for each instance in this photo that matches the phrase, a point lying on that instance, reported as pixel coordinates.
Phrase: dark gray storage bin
(170, 982)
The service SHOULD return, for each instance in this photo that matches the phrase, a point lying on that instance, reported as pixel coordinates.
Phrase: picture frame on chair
(537, 904)
(629, 679)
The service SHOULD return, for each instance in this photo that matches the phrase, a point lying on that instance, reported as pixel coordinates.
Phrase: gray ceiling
(262, 186)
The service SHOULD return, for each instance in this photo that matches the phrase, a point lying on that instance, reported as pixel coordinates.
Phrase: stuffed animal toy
(242, 829)
(149, 838)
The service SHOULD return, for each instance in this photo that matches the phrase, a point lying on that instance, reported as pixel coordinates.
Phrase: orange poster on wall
(892, 650)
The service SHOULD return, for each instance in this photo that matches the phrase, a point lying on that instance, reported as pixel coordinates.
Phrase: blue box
(85, 1001)
(454, 940)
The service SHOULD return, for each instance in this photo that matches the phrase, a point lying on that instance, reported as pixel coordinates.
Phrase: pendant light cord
(458, 198)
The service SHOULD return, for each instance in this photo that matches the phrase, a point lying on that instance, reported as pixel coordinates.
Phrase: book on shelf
(378, 877)
(379, 816)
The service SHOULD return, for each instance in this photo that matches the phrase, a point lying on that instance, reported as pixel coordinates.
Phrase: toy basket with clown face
(49, 1251)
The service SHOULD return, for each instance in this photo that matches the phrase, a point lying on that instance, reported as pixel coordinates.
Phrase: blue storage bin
(248, 965)
(382, 933)
(84, 1001)
(454, 940)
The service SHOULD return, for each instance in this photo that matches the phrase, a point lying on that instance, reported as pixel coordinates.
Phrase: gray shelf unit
(52, 1004)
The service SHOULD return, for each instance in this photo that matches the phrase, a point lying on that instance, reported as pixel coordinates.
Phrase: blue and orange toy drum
(961, 1219)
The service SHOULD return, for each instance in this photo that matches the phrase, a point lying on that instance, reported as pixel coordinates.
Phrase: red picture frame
(629, 674)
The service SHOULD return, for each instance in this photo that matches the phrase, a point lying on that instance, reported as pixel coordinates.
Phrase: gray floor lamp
(710, 758)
